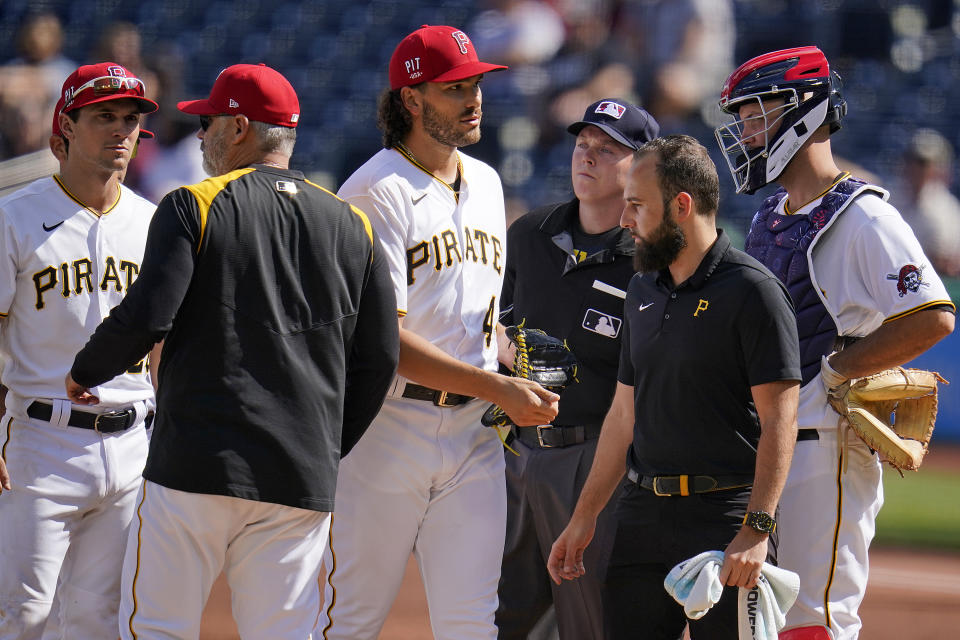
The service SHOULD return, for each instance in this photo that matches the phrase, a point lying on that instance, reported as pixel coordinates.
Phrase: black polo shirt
(580, 301)
(692, 352)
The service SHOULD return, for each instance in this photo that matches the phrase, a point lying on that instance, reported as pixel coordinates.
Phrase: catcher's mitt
(541, 358)
(893, 411)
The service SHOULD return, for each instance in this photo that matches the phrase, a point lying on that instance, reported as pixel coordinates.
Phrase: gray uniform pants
(542, 489)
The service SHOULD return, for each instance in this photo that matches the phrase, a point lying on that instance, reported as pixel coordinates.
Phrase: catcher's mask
(805, 95)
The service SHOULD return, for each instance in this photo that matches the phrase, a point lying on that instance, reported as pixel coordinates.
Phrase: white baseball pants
(63, 527)
(429, 480)
(827, 520)
(180, 542)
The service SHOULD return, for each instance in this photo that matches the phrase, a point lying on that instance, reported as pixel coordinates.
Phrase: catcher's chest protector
(782, 243)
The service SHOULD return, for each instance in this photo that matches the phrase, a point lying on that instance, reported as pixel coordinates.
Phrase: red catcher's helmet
(810, 93)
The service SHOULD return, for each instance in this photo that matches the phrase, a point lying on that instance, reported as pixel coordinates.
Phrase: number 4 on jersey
(488, 319)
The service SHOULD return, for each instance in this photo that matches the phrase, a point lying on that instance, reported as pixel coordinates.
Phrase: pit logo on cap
(611, 109)
(462, 40)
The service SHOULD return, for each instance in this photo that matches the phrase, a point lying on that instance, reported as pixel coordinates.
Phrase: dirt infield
(912, 595)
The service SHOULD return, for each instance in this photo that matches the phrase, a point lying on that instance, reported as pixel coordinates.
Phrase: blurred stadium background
(900, 61)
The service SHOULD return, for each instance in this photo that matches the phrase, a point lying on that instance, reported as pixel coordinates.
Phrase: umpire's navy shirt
(580, 301)
(692, 352)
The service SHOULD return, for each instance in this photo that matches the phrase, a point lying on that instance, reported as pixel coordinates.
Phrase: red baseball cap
(56, 122)
(435, 54)
(100, 82)
(255, 90)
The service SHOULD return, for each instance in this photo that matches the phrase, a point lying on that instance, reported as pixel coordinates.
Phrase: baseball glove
(539, 357)
(893, 411)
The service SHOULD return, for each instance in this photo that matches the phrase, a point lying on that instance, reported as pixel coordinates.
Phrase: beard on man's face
(445, 130)
(663, 247)
(212, 148)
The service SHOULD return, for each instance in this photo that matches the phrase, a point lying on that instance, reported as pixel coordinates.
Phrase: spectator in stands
(121, 42)
(931, 210)
(30, 85)
(519, 32)
(681, 50)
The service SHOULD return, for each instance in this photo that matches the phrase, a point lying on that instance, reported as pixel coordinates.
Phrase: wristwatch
(760, 521)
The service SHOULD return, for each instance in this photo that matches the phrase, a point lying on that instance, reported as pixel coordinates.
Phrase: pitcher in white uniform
(427, 477)
(71, 246)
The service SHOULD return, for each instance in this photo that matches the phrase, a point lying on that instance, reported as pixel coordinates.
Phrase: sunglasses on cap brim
(108, 85)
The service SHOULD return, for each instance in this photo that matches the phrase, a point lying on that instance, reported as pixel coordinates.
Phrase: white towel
(695, 584)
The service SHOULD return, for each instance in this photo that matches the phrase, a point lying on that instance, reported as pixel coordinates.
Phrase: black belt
(807, 434)
(684, 485)
(550, 436)
(108, 422)
(439, 398)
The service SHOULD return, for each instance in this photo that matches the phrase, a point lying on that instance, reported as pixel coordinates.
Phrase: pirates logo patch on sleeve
(909, 279)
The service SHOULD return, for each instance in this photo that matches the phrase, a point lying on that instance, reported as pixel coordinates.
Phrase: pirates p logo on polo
(611, 109)
(462, 40)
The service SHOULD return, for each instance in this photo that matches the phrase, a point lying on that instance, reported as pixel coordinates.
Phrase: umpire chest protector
(784, 244)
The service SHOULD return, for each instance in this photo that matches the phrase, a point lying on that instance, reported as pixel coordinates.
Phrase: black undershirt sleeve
(147, 312)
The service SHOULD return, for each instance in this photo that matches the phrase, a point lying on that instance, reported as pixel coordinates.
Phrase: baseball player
(568, 266)
(428, 477)
(72, 245)
(278, 313)
(866, 296)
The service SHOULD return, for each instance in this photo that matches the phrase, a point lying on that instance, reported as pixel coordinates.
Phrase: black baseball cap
(626, 123)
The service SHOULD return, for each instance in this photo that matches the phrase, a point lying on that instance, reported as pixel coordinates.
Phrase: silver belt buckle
(440, 399)
(540, 428)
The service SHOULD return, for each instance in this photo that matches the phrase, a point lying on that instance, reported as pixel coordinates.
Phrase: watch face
(760, 521)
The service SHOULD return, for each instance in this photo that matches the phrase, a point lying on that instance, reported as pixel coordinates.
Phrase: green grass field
(921, 510)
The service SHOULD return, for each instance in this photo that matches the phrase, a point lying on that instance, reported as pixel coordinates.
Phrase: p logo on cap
(435, 54)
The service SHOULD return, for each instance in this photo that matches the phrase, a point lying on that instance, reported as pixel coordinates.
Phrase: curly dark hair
(393, 119)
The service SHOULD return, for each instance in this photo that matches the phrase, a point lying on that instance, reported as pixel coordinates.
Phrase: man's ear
(66, 126)
(684, 205)
(241, 128)
(412, 99)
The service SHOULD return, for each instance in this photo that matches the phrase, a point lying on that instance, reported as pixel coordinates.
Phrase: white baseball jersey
(65, 521)
(446, 255)
(424, 478)
(869, 269)
(64, 268)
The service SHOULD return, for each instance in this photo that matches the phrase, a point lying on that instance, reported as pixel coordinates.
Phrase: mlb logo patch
(601, 323)
(285, 186)
(611, 109)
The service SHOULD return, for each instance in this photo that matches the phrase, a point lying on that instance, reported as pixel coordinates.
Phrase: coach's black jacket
(279, 320)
